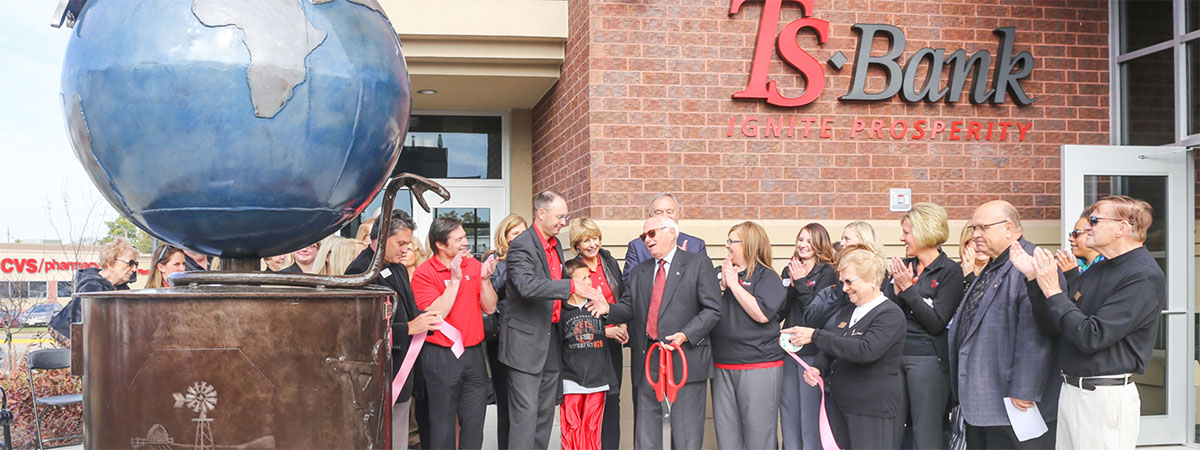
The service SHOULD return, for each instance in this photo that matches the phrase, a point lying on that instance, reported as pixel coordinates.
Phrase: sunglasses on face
(651, 233)
(131, 263)
(1075, 234)
(1095, 220)
(848, 281)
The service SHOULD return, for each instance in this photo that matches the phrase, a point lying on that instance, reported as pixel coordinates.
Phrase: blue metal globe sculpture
(239, 128)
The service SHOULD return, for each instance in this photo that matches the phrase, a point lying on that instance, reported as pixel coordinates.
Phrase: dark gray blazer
(1002, 352)
(691, 303)
(525, 325)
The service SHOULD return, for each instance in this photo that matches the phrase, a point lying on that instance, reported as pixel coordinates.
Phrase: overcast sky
(37, 166)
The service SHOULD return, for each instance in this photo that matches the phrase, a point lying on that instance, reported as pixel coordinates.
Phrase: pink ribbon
(410, 358)
(414, 348)
(828, 442)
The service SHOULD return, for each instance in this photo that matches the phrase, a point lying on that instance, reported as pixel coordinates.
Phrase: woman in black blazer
(606, 275)
(927, 286)
(807, 273)
(860, 350)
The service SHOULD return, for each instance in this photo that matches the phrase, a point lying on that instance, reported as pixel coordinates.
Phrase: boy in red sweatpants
(586, 369)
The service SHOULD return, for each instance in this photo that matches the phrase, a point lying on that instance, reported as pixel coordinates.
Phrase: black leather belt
(1090, 383)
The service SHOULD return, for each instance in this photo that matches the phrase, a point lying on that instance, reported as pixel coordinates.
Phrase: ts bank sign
(902, 80)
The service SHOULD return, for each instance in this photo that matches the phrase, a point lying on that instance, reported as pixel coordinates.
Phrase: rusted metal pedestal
(208, 367)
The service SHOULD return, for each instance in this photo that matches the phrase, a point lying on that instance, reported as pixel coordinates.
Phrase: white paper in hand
(1026, 424)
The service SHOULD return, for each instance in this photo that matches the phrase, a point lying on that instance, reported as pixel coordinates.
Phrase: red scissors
(665, 387)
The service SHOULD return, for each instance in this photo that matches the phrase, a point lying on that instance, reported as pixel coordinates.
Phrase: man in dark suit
(673, 298)
(997, 349)
(662, 204)
(407, 320)
(536, 288)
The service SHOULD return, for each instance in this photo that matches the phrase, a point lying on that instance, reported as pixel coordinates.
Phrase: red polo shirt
(600, 281)
(429, 282)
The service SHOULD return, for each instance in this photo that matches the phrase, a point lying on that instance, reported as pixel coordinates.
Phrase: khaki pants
(400, 424)
(1106, 418)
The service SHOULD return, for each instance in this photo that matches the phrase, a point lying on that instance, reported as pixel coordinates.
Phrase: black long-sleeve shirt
(928, 305)
(1108, 320)
(800, 292)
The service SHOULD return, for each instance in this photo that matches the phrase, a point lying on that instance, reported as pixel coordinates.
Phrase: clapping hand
(456, 267)
(1066, 261)
(1047, 272)
(902, 275)
(798, 268)
(489, 266)
(729, 272)
(1022, 260)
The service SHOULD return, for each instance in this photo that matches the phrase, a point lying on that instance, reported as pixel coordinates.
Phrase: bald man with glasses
(665, 205)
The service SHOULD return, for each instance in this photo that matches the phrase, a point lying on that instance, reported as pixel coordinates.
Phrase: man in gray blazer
(661, 204)
(528, 327)
(997, 350)
(688, 306)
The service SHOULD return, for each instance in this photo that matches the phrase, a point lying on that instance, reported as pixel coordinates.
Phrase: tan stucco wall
(520, 145)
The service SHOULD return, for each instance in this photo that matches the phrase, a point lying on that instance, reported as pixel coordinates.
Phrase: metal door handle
(1171, 313)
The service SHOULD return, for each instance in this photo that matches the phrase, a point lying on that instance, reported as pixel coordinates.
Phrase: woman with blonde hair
(508, 229)
(605, 274)
(859, 355)
(970, 258)
(118, 267)
(168, 259)
(859, 232)
(927, 286)
(809, 271)
(416, 255)
(342, 252)
(746, 355)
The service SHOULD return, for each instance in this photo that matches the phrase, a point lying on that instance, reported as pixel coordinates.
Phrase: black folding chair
(6, 420)
(50, 359)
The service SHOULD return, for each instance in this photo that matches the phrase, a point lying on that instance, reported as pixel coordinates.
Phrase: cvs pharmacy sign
(900, 76)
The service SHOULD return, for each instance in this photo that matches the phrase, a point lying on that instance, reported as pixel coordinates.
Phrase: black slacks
(610, 430)
(455, 388)
(500, 388)
(1002, 437)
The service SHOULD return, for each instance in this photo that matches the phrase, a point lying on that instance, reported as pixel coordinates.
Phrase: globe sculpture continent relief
(236, 128)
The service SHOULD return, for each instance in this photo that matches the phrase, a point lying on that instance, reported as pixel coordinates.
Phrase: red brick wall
(561, 130)
(644, 104)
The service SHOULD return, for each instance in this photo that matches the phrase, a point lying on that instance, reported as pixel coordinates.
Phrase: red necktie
(660, 282)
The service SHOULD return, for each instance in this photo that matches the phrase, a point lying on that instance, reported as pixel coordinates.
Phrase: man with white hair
(1106, 320)
(672, 297)
(661, 204)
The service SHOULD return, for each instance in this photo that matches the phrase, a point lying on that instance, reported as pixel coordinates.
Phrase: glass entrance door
(1161, 176)
(479, 207)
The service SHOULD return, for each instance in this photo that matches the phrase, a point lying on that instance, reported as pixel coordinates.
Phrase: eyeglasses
(733, 241)
(983, 228)
(1095, 220)
(131, 263)
(659, 212)
(563, 217)
(846, 282)
(651, 233)
(1075, 234)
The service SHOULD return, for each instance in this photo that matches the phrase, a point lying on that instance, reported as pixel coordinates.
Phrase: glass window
(1149, 104)
(37, 289)
(1193, 57)
(1193, 15)
(477, 224)
(452, 147)
(19, 289)
(1145, 23)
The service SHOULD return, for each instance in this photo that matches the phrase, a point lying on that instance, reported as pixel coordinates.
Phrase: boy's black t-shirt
(585, 358)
